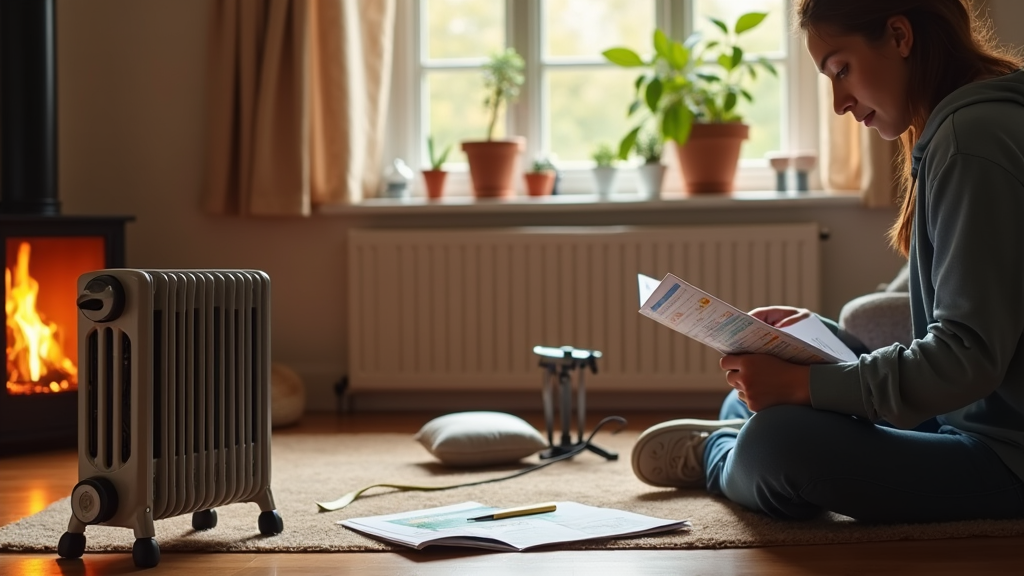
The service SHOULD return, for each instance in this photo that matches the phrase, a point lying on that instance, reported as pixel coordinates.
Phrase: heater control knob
(94, 500)
(103, 299)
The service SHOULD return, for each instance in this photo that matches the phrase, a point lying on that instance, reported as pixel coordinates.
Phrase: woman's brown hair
(952, 48)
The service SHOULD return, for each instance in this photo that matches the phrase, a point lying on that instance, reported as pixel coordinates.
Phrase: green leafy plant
(503, 76)
(603, 155)
(437, 161)
(648, 145)
(694, 81)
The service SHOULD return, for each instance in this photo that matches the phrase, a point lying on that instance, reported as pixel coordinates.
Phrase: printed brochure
(711, 321)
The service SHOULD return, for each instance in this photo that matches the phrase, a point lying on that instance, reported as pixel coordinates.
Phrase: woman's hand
(764, 381)
(780, 316)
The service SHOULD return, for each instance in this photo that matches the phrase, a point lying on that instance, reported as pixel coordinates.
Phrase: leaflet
(711, 321)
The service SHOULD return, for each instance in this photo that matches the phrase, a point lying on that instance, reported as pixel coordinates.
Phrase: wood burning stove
(43, 257)
(43, 251)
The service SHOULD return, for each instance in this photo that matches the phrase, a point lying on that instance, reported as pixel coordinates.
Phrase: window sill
(579, 203)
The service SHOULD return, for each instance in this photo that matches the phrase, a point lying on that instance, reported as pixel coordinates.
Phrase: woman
(930, 432)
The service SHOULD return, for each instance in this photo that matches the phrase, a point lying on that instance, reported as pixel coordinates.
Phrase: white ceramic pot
(604, 176)
(649, 180)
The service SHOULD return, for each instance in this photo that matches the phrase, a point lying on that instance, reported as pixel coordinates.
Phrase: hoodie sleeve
(972, 235)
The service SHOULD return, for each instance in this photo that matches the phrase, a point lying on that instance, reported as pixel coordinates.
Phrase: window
(573, 99)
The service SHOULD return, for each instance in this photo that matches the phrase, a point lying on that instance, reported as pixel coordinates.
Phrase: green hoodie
(966, 364)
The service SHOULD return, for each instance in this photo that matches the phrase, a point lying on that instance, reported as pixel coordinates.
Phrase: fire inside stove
(40, 281)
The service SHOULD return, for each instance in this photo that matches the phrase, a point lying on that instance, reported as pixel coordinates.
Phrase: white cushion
(480, 438)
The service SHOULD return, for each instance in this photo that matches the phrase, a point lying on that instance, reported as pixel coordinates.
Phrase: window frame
(407, 107)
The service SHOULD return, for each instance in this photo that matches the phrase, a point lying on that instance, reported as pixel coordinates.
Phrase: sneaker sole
(688, 424)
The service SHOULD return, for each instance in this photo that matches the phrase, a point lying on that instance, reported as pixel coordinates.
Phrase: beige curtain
(298, 98)
(855, 158)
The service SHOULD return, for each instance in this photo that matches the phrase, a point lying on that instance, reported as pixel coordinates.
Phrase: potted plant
(540, 179)
(690, 91)
(650, 174)
(492, 162)
(604, 169)
(434, 178)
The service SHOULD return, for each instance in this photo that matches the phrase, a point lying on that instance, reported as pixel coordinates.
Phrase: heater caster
(71, 545)
(146, 552)
(204, 519)
(271, 523)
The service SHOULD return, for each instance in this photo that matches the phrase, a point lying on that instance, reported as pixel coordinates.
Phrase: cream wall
(131, 120)
(1008, 17)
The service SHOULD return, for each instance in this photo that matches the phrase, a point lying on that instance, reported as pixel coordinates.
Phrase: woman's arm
(969, 251)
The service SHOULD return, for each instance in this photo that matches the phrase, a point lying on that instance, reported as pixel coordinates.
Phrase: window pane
(456, 111)
(587, 107)
(766, 115)
(463, 28)
(770, 36)
(589, 27)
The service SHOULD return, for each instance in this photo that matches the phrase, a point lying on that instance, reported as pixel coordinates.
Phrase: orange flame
(35, 360)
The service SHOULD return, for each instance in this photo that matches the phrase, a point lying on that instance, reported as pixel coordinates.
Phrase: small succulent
(604, 155)
(437, 161)
(542, 165)
(648, 146)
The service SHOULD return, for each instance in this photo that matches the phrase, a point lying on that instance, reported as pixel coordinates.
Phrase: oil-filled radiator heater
(174, 401)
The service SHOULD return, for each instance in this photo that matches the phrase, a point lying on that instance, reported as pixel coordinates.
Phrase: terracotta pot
(492, 165)
(539, 183)
(710, 157)
(434, 180)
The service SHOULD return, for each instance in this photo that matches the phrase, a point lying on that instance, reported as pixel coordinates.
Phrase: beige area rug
(308, 468)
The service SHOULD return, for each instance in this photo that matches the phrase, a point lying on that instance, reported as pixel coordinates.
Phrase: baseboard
(597, 402)
(322, 396)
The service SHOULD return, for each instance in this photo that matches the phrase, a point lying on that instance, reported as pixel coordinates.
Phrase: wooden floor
(30, 483)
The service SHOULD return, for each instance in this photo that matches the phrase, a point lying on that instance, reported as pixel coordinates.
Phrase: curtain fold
(297, 102)
(855, 158)
(352, 61)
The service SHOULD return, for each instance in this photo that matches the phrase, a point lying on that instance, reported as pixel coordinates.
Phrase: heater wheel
(204, 519)
(146, 552)
(71, 545)
(271, 523)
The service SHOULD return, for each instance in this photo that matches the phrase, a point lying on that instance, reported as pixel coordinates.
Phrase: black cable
(352, 496)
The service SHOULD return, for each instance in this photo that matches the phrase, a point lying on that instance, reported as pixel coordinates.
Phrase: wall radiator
(173, 401)
(462, 309)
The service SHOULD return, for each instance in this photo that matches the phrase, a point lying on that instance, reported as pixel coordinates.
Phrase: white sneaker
(672, 453)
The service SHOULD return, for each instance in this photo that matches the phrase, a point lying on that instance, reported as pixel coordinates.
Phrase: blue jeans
(795, 462)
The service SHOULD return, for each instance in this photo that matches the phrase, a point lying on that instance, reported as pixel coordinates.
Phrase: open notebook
(450, 526)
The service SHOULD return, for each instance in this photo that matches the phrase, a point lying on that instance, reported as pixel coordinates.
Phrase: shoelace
(691, 460)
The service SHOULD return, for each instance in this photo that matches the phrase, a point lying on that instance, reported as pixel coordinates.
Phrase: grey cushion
(901, 283)
(882, 318)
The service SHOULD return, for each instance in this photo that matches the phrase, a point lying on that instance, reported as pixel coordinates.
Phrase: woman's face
(869, 79)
